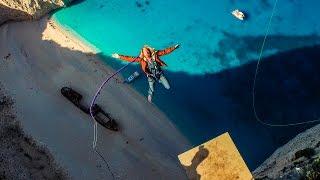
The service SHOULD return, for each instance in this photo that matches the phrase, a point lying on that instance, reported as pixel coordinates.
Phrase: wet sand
(36, 60)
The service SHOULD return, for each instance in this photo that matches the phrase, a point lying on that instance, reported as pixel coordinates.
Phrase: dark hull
(100, 116)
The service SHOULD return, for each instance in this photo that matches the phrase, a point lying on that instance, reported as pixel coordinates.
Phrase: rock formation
(298, 159)
(19, 10)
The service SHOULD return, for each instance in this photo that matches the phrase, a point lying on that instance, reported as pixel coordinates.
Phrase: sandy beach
(20, 156)
(36, 60)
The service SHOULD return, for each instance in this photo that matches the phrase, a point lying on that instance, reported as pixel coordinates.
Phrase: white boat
(238, 14)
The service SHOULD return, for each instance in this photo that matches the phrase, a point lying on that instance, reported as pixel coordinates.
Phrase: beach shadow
(200, 156)
(69, 59)
(287, 91)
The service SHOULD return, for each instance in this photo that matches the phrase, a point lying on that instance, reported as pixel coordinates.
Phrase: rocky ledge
(19, 10)
(298, 159)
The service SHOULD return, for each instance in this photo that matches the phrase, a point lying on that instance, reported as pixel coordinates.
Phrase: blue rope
(95, 130)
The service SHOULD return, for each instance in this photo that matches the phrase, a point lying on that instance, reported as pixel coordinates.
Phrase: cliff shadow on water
(204, 106)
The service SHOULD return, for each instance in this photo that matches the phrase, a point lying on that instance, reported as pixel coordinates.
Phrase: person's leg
(164, 82)
(151, 88)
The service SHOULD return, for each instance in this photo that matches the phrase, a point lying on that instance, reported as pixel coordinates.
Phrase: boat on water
(238, 14)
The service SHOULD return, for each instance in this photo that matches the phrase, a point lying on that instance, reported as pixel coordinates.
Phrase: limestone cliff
(19, 10)
(298, 159)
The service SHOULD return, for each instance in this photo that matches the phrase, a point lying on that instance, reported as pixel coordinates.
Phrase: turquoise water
(121, 26)
(211, 74)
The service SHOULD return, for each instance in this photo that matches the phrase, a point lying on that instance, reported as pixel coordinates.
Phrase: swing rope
(95, 124)
(255, 79)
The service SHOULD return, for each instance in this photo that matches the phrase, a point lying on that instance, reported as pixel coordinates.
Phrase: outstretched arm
(125, 58)
(167, 50)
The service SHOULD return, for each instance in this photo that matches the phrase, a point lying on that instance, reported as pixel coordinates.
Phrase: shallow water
(211, 74)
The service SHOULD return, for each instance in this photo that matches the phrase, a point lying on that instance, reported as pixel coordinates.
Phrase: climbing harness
(155, 70)
(255, 78)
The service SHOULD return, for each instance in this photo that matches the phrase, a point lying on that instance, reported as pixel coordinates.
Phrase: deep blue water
(211, 74)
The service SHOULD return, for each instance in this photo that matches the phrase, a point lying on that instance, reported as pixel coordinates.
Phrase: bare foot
(150, 98)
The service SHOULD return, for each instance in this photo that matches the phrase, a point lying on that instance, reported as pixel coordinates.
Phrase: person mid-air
(151, 65)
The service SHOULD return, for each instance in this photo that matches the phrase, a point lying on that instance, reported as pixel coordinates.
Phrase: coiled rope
(255, 78)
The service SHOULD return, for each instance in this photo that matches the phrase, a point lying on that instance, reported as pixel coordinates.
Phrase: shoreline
(42, 61)
(86, 47)
(73, 36)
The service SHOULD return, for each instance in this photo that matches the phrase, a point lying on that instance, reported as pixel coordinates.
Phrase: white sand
(20, 156)
(43, 59)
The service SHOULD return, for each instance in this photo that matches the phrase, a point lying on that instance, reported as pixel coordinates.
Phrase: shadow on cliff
(200, 156)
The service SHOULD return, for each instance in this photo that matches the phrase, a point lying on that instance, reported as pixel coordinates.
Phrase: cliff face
(19, 10)
(298, 159)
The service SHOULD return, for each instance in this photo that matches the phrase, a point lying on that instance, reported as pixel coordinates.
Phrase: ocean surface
(212, 73)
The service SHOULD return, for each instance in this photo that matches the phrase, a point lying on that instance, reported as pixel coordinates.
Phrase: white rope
(255, 78)
(105, 82)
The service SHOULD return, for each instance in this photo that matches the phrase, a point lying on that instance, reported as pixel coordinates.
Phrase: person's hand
(115, 55)
(177, 46)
